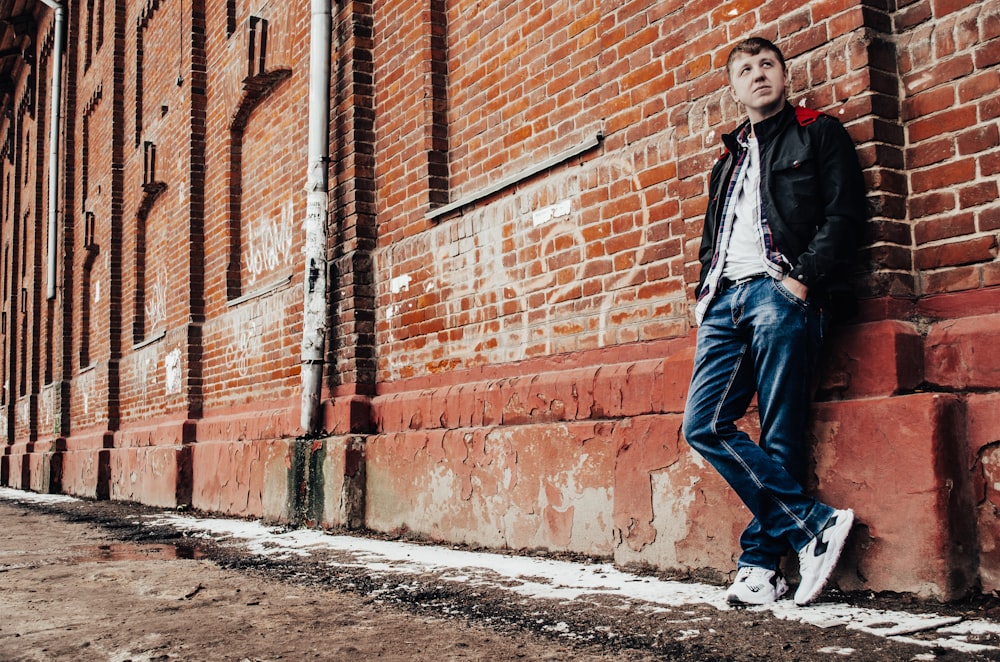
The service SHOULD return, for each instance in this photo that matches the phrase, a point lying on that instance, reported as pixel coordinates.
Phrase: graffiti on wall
(48, 410)
(512, 274)
(144, 373)
(268, 243)
(84, 386)
(23, 411)
(156, 301)
(247, 324)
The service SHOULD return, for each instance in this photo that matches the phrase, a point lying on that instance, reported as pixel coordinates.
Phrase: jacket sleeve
(709, 229)
(831, 253)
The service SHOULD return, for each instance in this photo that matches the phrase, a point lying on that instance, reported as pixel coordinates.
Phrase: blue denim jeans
(757, 337)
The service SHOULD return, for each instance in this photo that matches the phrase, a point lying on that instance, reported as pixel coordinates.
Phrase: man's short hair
(753, 46)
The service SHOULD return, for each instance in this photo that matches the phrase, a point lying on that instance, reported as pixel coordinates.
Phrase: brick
(928, 102)
(989, 164)
(978, 139)
(915, 14)
(943, 8)
(978, 86)
(944, 72)
(945, 122)
(989, 219)
(931, 204)
(929, 153)
(957, 253)
(945, 175)
(958, 354)
(990, 25)
(987, 55)
(978, 194)
(945, 227)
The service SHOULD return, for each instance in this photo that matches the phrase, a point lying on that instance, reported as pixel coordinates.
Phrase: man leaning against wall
(786, 207)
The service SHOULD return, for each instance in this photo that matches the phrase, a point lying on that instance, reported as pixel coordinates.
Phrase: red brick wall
(255, 145)
(948, 56)
(600, 251)
(511, 371)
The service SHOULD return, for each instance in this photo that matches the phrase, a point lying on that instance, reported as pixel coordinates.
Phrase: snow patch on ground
(550, 579)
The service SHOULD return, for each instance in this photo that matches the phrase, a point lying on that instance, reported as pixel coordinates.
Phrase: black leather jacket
(813, 194)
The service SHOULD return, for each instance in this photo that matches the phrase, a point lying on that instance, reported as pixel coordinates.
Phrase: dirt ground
(71, 592)
(89, 581)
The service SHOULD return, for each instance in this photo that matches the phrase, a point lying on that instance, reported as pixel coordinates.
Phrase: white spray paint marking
(247, 325)
(23, 410)
(172, 370)
(46, 407)
(84, 385)
(269, 243)
(144, 373)
(155, 304)
(399, 284)
(546, 214)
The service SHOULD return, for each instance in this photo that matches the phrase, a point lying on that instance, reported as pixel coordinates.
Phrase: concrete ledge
(149, 474)
(900, 464)
(873, 359)
(532, 486)
(243, 478)
(961, 353)
(983, 416)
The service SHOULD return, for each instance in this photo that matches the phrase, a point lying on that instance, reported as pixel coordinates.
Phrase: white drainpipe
(315, 282)
(55, 105)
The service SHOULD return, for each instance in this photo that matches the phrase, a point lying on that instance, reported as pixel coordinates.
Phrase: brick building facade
(512, 204)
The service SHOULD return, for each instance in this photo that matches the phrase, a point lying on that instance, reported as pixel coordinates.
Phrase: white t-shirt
(745, 253)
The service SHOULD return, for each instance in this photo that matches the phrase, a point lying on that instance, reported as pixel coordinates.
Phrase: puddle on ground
(134, 552)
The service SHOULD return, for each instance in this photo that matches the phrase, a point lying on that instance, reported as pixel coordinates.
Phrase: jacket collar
(764, 131)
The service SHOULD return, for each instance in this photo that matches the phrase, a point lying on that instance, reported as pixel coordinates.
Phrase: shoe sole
(736, 602)
(837, 545)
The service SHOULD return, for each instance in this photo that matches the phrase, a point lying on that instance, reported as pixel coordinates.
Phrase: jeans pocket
(787, 293)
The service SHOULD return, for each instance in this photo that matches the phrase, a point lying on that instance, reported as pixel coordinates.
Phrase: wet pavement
(119, 581)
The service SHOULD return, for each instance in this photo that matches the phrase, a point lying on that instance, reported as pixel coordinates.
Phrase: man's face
(758, 82)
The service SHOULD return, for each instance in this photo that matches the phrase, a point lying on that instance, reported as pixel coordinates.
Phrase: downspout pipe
(55, 107)
(314, 307)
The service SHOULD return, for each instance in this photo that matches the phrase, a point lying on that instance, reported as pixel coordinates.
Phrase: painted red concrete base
(243, 478)
(145, 474)
(338, 482)
(82, 471)
(525, 487)
(898, 462)
(672, 510)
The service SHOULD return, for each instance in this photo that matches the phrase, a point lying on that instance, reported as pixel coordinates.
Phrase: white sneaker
(818, 559)
(756, 586)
